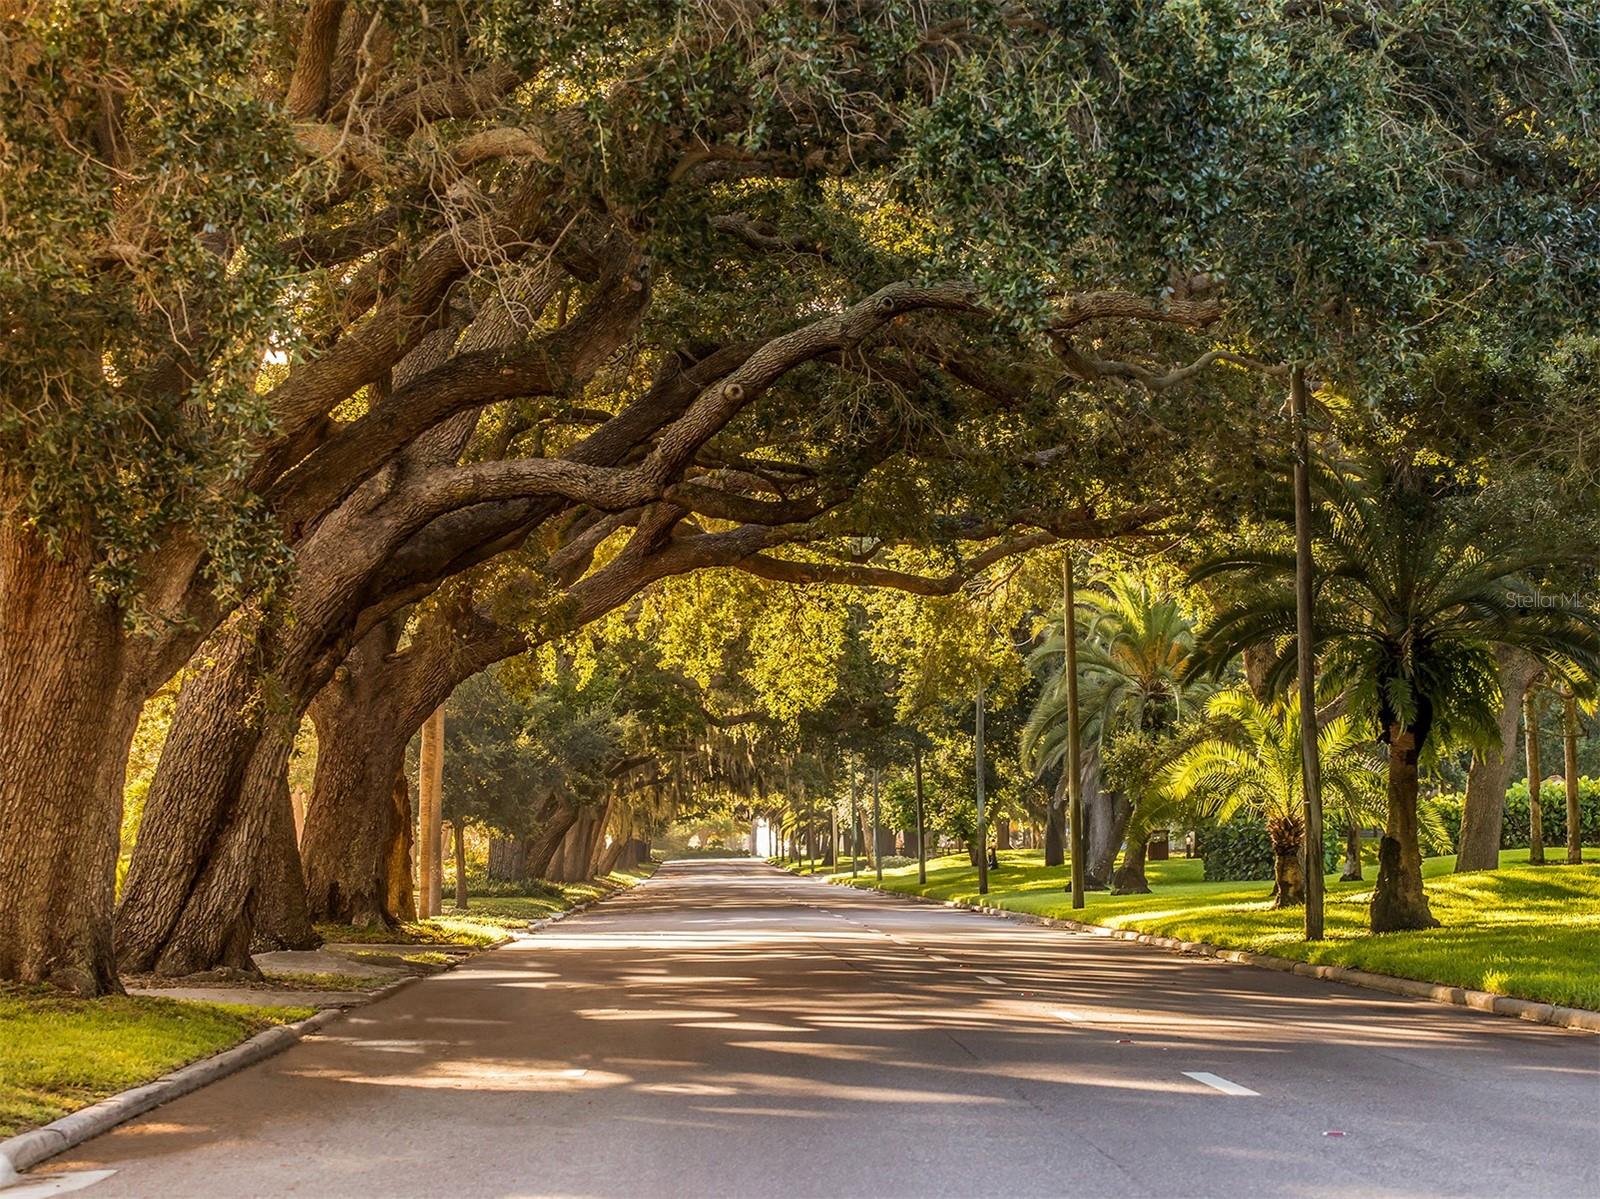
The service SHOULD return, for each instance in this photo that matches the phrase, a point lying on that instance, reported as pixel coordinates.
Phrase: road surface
(728, 1029)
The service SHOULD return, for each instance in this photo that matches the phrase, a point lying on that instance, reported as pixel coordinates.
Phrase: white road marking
(934, 957)
(1217, 1083)
(1071, 1017)
(37, 1186)
(991, 980)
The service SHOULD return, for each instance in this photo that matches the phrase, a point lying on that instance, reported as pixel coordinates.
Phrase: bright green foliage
(1134, 660)
(1349, 172)
(1249, 762)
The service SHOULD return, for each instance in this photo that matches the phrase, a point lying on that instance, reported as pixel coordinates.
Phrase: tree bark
(1530, 728)
(1398, 900)
(1129, 878)
(1352, 855)
(68, 710)
(1289, 865)
(1055, 825)
(282, 919)
(544, 845)
(430, 775)
(195, 882)
(402, 904)
(1483, 810)
(459, 836)
(1569, 738)
(359, 799)
(1002, 833)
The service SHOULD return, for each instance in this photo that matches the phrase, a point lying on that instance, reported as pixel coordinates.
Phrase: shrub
(1239, 850)
(1553, 805)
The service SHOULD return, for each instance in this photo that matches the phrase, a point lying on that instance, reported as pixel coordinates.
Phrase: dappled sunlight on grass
(1527, 931)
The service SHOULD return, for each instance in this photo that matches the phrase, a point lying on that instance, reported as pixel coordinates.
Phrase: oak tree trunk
(1055, 826)
(1483, 810)
(354, 823)
(195, 882)
(67, 715)
(549, 839)
(402, 903)
(1398, 900)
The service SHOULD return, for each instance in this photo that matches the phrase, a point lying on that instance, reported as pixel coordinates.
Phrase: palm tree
(1414, 589)
(1134, 668)
(1249, 761)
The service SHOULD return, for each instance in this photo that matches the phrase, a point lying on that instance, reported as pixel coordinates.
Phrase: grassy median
(1528, 931)
(59, 1053)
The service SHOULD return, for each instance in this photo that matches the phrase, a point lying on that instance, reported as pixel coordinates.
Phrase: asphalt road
(727, 1029)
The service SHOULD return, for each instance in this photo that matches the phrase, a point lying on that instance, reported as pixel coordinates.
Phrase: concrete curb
(28, 1149)
(1578, 1019)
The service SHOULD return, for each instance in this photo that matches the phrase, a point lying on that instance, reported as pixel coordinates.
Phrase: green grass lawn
(58, 1053)
(1527, 931)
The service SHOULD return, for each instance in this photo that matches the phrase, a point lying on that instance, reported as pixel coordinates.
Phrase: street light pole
(1069, 636)
(1306, 654)
(983, 834)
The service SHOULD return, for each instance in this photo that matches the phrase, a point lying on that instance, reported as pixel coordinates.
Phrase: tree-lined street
(727, 1029)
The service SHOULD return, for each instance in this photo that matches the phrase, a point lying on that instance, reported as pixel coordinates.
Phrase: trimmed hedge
(1553, 805)
(1240, 851)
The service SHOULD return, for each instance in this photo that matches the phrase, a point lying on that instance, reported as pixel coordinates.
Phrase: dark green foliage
(140, 276)
(1239, 849)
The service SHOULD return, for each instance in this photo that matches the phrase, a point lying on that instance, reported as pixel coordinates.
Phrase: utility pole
(983, 834)
(430, 789)
(922, 830)
(1077, 842)
(877, 828)
(1306, 658)
(854, 832)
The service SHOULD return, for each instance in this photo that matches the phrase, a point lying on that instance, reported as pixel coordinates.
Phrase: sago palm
(1413, 589)
(1249, 761)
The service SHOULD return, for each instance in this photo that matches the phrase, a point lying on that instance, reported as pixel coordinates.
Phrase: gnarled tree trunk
(198, 875)
(402, 903)
(350, 833)
(1351, 873)
(68, 709)
(1483, 810)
